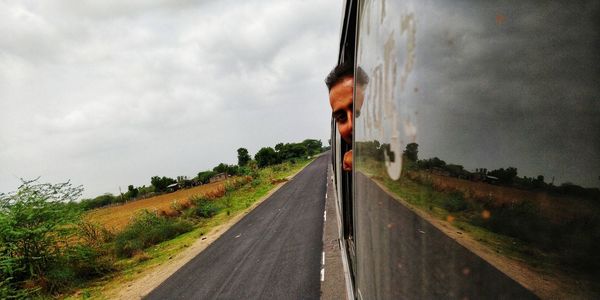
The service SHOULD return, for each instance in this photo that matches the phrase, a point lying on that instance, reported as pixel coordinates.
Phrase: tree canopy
(243, 157)
(160, 183)
(266, 156)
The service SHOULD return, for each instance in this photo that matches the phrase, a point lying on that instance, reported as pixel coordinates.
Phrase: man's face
(340, 98)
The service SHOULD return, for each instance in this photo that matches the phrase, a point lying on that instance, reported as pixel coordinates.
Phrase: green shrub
(8, 288)
(253, 169)
(230, 187)
(148, 229)
(87, 262)
(35, 230)
(256, 182)
(521, 220)
(93, 234)
(204, 207)
(205, 176)
(455, 202)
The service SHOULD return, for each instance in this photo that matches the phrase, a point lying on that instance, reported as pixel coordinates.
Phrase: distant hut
(218, 177)
(173, 187)
(492, 179)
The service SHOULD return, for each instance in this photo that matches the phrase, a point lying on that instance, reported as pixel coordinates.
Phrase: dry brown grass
(141, 256)
(116, 218)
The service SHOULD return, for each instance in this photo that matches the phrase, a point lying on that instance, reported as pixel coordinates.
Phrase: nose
(350, 120)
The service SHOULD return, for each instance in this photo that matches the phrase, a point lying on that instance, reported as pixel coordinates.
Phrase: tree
(102, 200)
(266, 156)
(279, 147)
(411, 152)
(35, 226)
(160, 183)
(205, 176)
(221, 168)
(456, 170)
(505, 176)
(225, 168)
(132, 192)
(431, 163)
(243, 157)
(312, 146)
(295, 150)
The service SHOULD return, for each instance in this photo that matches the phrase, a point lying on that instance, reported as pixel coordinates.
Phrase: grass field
(117, 217)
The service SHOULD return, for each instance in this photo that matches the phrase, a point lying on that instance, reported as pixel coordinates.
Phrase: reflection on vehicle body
(476, 151)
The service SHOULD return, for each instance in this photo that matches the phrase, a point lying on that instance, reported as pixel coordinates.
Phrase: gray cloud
(110, 93)
(522, 92)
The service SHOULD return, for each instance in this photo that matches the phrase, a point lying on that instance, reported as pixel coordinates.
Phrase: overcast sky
(493, 84)
(110, 93)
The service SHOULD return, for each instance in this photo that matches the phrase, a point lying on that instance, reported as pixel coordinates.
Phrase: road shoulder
(333, 282)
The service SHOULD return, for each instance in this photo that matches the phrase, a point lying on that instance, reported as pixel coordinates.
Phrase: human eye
(340, 117)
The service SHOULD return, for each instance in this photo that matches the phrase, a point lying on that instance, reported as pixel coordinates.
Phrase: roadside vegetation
(52, 245)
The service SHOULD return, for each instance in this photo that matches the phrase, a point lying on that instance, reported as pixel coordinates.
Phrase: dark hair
(344, 70)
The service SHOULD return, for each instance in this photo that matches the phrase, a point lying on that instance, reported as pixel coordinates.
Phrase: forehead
(341, 92)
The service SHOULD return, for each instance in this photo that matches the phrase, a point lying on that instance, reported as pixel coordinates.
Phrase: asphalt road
(403, 256)
(274, 252)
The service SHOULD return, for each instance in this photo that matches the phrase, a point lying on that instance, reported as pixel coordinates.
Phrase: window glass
(477, 150)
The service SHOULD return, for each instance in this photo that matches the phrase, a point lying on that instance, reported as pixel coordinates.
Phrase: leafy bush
(204, 207)
(205, 176)
(148, 229)
(8, 288)
(521, 220)
(252, 168)
(93, 234)
(225, 168)
(35, 229)
(100, 201)
(455, 202)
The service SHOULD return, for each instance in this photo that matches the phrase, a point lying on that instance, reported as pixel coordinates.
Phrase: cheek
(345, 129)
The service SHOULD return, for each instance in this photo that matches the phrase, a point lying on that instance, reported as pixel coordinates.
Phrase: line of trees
(501, 176)
(245, 166)
(268, 156)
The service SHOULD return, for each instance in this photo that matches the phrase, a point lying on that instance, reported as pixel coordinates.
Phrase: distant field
(558, 209)
(115, 218)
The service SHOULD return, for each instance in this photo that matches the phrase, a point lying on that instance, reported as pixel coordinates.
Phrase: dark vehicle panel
(477, 150)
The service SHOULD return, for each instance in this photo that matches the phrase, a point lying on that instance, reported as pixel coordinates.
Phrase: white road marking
(323, 274)
(323, 259)
(325, 216)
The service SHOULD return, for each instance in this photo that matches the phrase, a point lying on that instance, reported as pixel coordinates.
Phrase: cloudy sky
(492, 84)
(110, 93)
